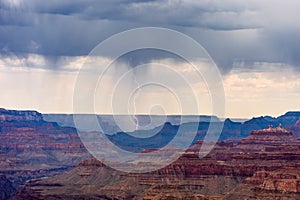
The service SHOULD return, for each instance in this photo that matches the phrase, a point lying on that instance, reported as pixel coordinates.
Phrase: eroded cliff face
(282, 183)
(286, 179)
(31, 147)
(19, 116)
(93, 180)
(26, 136)
(229, 171)
(295, 128)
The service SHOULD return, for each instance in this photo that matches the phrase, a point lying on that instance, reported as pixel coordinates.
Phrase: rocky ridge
(31, 147)
(228, 172)
(232, 130)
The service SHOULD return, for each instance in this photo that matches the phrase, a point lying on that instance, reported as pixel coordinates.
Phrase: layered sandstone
(257, 167)
(31, 147)
(286, 179)
(19, 116)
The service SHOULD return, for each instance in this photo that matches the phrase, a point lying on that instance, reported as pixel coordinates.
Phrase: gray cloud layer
(232, 30)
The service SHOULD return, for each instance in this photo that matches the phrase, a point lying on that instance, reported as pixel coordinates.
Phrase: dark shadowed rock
(6, 188)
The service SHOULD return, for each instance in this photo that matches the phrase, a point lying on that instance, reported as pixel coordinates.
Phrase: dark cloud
(216, 15)
(286, 42)
(229, 30)
(144, 56)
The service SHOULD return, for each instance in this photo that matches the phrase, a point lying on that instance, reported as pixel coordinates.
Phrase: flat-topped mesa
(14, 115)
(91, 162)
(272, 131)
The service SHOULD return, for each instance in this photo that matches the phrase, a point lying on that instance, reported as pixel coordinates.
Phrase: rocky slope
(93, 180)
(6, 188)
(295, 128)
(286, 179)
(31, 147)
(270, 139)
(268, 169)
(283, 183)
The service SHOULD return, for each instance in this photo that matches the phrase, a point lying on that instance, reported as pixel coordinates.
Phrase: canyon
(267, 169)
(45, 159)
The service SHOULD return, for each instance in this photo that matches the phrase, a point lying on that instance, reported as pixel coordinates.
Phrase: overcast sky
(255, 44)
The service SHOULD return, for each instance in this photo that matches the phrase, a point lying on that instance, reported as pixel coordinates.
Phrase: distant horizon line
(147, 114)
(139, 114)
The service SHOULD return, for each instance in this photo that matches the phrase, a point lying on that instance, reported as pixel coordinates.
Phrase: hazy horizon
(145, 114)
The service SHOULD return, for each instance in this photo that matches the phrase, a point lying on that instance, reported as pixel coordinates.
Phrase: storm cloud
(232, 31)
(255, 44)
